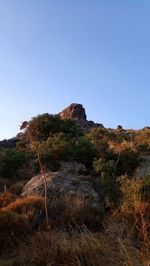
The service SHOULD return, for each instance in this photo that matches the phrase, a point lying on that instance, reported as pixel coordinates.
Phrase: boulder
(62, 184)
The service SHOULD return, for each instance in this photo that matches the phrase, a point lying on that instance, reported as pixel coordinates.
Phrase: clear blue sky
(94, 52)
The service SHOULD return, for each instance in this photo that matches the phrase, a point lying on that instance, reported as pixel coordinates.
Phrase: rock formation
(62, 184)
(77, 113)
(74, 112)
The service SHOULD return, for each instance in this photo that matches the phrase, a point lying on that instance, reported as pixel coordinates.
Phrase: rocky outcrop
(62, 184)
(74, 112)
(77, 113)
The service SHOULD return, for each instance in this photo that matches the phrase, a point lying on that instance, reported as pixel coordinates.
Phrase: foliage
(127, 162)
(142, 140)
(61, 147)
(83, 151)
(104, 167)
(42, 126)
(13, 159)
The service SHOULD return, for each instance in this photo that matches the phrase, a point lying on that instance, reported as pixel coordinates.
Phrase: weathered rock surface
(74, 112)
(144, 167)
(62, 184)
(77, 112)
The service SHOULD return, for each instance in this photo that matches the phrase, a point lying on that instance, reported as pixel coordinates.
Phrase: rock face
(77, 113)
(73, 112)
(62, 184)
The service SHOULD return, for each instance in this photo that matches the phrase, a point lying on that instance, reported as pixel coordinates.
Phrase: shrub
(110, 187)
(70, 212)
(13, 159)
(127, 163)
(42, 126)
(16, 188)
(83, 151)
(104, 167)
(6, 198)
(142, 140)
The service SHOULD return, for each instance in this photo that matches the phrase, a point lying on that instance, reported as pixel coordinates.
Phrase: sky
(57, 52)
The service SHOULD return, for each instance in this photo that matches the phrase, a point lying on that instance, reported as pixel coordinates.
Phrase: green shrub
(127, 163)
(11, 160)
(104, 167)
(41, 126)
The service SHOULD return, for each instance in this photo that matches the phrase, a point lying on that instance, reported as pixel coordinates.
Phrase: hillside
(73, 192)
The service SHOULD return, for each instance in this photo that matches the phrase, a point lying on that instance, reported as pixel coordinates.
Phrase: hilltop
(70, 188)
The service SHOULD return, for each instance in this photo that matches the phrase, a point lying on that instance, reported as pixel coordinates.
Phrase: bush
(83, 151)
(104, 167)
(42, 126)
(110, 187)
(70, 212)
(127, 163)
(16, 188)
(13, 159)
(6, 198)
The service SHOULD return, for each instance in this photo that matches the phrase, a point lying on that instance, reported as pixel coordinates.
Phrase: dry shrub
(30, 207)
(14, 229)
(86, 249)
(63, 212)
(16, 188)
(71, 211)
(25, 205)
(6, 198)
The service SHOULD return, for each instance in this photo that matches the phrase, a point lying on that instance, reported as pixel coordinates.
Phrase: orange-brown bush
(6, 198)
(31, 208)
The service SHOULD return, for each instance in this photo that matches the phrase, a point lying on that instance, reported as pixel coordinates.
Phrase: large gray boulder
(62, 184)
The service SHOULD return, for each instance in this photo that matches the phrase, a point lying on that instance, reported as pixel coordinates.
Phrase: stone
(62, 184)
(77, 113)
(74, 112)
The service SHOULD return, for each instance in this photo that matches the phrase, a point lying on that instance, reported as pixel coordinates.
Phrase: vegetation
(78, 234)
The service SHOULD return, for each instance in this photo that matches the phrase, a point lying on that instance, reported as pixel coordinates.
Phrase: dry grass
(6, 198)
(23, 205)
(17, 188)
(14, 229)
(76, 237)
(62, 249)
